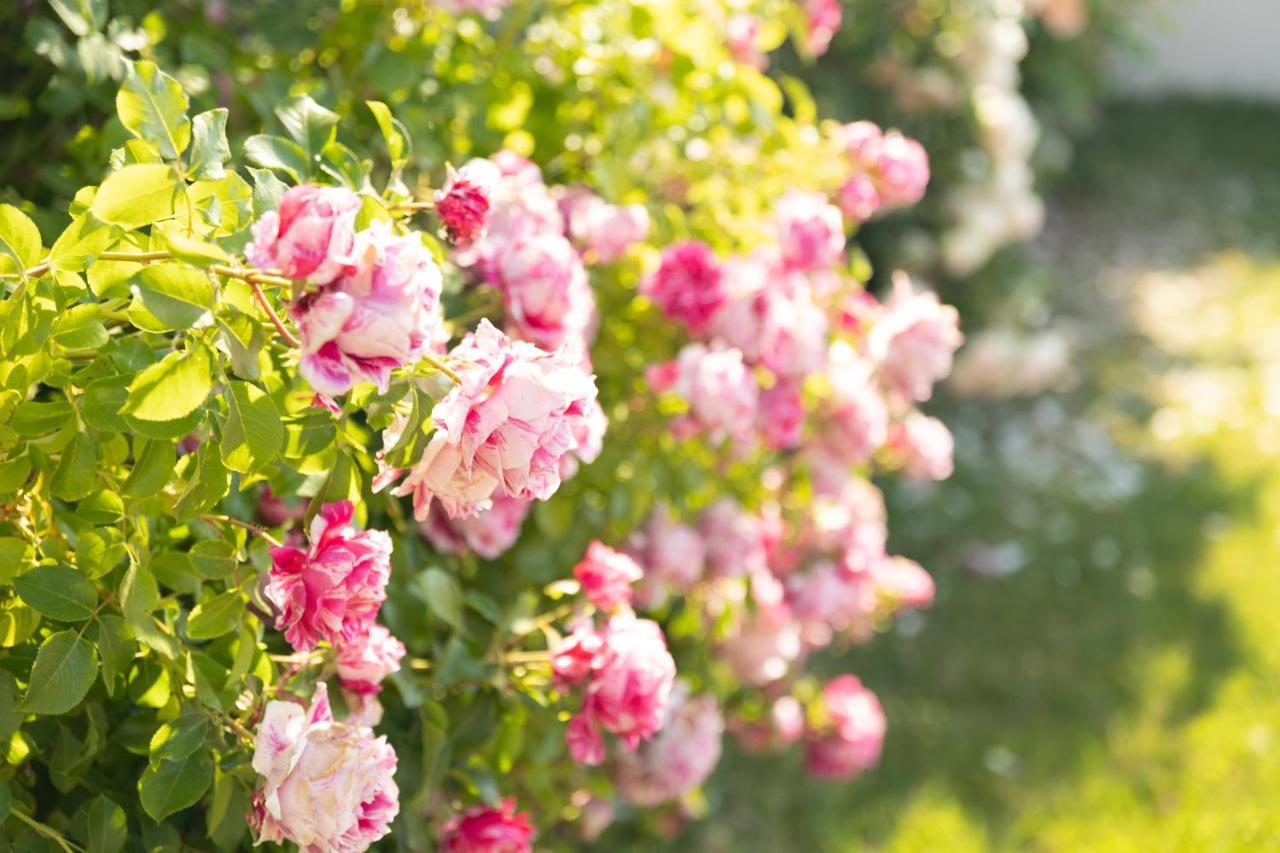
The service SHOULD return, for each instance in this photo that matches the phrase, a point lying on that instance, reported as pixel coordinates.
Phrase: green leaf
(139, 595)
(208, 484)
(81, 16)
(59, 592)
(16, 556)
(192, 251)
(252, 433)
(209, 150)
(17, 623)
(98, 551)
(274, 152)
(393, 132)
(152, 105)
(77, 471)
(31, 419)
(442, 594)
(62, 674)
(19, 240)
(80, 327)
(179, 738)
(137, 195)
(311, 125)
(171, 388)
(213, 558)
(6, 800)
(215, 617)
(100, 404)
(267, 189)
(173, 786)
(152, 470)
(106, 826)
(116, 647)
(82, 241)
(226, 203)
(176, 294)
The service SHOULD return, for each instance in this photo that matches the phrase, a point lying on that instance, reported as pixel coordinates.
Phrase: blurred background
(1100, 670)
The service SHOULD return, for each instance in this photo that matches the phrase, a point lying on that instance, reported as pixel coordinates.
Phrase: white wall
(1210, 47)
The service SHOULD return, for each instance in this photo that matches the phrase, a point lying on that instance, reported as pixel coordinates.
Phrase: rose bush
(540, 467)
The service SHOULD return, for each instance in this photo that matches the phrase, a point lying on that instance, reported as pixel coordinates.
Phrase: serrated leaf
(77, 471)
(59, 592)
(179, 738)
(215, 617)
(228, 202)
(116, 647)
(207, 485)
(173, 786)
(98, 551)
(274, 152)
(19, 240)
(267, 190)
(311, 125)
(209, 149)
(213, 558)
(153, 106)
(106, 826)
(62, 674)
(31, 418)
(82, 241)
(100, 404)
(172, 388)
(252, 433)
(80, 327)
(152, 470)
(137, 195)
(175, 294)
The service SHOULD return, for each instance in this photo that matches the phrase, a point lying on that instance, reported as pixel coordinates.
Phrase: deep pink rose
(489, 533)
(687, 285)
(505, 429)
(849, 740)
(521, 207)
(382, 314)
(606, 576)
(679, 758)
(365, 661)
(782, 415)
(924, 445)
(545, 292)
(462, 205)
(913, 341)
(328, 787)
(721, 391)
(332, 590)
(626, 673)
(483, 829)
(810, 231)
(823, 19)
(734, 539)
(310, 236)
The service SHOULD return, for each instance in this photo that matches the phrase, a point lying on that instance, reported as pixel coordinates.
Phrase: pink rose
(903, 583)
(679, 758)
(902, 169)
(734, 539)
(483, 829)
(721, 391)
(849, 741)
(333, 590)
(627, 674)
(913, 341)
(782, 415)
(383, 313)
(505, 429)
(462, 204)
(742, 36)
(365, 661)
(603, 229)
(847, 520)
(490, 10)
(521, 207)
(924, 445)
(810, 231)
(672, 554)
(310, 236)
(764, 646)
(831, 599)
(823, 19)
(589, 432)
(687, 285)
(545, 292)
(858, 414)
(858, 198)
(489, 534)
(327, 786)
(770, 315)
(606, 576)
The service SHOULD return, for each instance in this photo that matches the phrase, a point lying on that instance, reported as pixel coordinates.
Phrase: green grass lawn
(1121, 690)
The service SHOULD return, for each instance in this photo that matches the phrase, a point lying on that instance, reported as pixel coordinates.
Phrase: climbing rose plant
(346, 505)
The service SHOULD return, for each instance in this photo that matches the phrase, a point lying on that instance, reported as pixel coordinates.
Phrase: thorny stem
(275, 318)
(243, 525)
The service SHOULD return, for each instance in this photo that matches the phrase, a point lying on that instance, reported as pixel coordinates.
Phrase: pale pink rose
(903, 584)
(858, 198)
(902, 170)
(734, 540)
(333, 590)
(831, 599)
(861, 141)
(589, 431)
(462, 204)
(847, 520)
(721, 391)
(823, 18)
(310, 236)
(363, 709)
(810, 231)
(606, 230)
(924, 445)
(688, 284)
(764, 646)
(673, 557)
(913, 341)
(545, 292)
(852, 733)
(787, 717)
(483, 829)
(771, 317)
(606, 576)
(383, 313)
(505, 428)
(597, 816)
(742, 37)
(782, 416)
(328, 787)
(626, 673)
(521, 207)
(679, 758)
(781, 726)
(365, 661)
(858, 418)
(489, 533)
